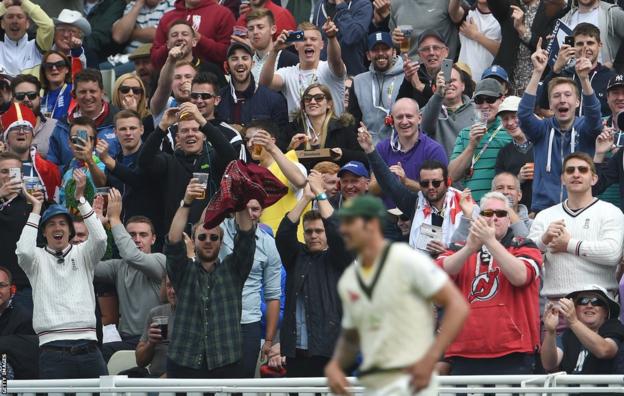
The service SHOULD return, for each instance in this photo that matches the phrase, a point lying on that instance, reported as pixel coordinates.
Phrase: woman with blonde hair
(129, 94)
(321, 128)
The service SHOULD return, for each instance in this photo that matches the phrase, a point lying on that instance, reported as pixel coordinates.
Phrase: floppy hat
(75, 18)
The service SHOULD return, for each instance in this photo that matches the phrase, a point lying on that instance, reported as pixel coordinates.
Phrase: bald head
(406, 104)
(406, 118)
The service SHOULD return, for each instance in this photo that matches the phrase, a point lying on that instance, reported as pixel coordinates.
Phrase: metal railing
(558, 383)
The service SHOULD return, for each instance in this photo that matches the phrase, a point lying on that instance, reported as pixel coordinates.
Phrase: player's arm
(345, 354)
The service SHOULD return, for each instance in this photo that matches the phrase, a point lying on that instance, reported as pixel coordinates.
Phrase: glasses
(311, 231)
(500, 213)
(203, 237)
(4, 284)
(434, 183)
(485, 99)
(317, 98)
(202, 95)
(32, 95)
(135, 90)
(594, 301)
(52, 65)
(431, 48)
(22, 129)
(569, 170)
(403, 217)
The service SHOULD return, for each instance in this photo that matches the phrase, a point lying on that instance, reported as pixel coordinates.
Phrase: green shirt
(480, 181)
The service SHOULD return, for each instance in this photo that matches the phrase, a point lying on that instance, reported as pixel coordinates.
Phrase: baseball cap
(379, 37)
(495, 71)
(58, 210)
(142, 51)
(363, 206)
(614, 307)
(75, 18)
(488, 87)
(355, 167)
(510, 103)
(236, 45)
(616, 81)
(430, 33)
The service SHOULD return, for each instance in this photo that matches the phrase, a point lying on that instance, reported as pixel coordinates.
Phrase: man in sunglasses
(500, 276)
(206, 337)
(474, 156)
(594, 336)
(581, 238)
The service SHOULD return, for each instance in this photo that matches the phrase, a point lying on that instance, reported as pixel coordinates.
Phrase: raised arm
(151, 159)
(455, 11)
(353, 21)
(550, 355)
(165, 80)
(28, 239)
(45, 25)
(267, 75)
(334, 53)
(431, 112)
(244, 244)
(288, 167)
(123, 27)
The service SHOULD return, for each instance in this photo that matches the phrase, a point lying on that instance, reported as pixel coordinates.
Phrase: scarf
(451, 213)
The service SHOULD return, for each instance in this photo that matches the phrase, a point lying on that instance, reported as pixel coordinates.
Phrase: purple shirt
(425, 149)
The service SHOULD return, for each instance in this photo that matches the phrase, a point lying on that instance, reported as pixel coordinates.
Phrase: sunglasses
(404, 218)
(594, 301)
(22, 95)
(317, 98)
(434, 183)
(135, 90)
(485, 99)
(202, 95)
(203, 237)
(569, 170)
(52, 65)
(500, 213)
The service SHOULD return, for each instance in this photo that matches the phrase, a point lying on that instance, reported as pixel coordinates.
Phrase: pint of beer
(407, 35)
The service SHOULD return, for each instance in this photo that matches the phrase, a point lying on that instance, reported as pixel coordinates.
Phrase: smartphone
(295, 36)
(80, 138)
(447, 67)
(15, 173)
(619, 139)
(569, 40)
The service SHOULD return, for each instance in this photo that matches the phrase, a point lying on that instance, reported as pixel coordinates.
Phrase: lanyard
(303, 87)
(389, 92)
(50, 113)
(476, 158)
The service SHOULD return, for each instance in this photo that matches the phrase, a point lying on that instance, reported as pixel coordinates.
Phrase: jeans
(514, 363)
(252, 334)
(306, 366)
(57, 361)
(127, 343)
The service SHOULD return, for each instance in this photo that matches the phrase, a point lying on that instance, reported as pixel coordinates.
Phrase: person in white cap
(69, 29)
(18, 54)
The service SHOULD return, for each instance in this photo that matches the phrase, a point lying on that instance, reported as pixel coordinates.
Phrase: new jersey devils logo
(484, 286)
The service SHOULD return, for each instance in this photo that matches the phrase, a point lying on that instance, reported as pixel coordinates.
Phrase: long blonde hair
(142, 103)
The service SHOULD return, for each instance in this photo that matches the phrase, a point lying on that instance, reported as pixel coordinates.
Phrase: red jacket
(47, 172)
(214, 22)
(284, 20)
(503, 318)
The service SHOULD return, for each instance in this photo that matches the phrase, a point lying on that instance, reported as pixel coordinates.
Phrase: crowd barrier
(559, 384)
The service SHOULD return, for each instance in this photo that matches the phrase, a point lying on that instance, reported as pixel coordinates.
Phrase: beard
(207, 257)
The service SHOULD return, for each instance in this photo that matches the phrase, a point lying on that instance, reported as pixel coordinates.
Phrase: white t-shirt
(297, 80)
(395, 321)
(592, 17)
(474, 54)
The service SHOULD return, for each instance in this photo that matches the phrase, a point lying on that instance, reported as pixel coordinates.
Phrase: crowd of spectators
(491, 130)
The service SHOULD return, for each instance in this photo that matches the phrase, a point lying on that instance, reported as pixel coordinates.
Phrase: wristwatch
(82, 200)
(184, 204)
(321, 197)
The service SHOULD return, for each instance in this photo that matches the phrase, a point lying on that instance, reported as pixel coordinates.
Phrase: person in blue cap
(499, 74)
(62, 278)
(354, 181)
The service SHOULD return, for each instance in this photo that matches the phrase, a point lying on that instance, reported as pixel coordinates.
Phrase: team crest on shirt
(353, 296)
(484, 286)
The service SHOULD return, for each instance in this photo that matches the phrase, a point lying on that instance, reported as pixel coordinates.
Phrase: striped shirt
(480, 181)
(148, 17)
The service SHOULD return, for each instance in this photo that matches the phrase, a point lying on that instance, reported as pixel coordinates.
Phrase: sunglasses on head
(317, 98)
(202, 95)
(135, 90)
(583, 169)
(52, 65)
(30, 95)
(594, 301)
(485, 99)
(434, 183)
(500, 213)
(203, 237)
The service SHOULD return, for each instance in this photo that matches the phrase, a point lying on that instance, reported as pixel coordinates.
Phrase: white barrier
(559, 383)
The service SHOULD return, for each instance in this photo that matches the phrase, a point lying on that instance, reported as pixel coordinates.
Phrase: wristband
(321, 197)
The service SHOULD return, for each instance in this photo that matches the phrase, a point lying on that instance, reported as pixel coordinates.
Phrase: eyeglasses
(569, 170)
(594, 301)
(434, 183)
(22, 129)
(500, 213)
(32, 95)
(311, 231)
(485, 99)
(203, 237)
(4, 284)
(135, 90)
(202, 95)
(317, 98)
(431, 48)
(52, 65)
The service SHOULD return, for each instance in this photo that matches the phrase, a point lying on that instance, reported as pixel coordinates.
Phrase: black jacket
(315, 277)
(407, 90)
(13, 216)
(610, 171)
(19, 341)
(172, 172)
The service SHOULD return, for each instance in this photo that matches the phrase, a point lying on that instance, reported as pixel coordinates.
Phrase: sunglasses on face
(202, 95)
(52, 65)
(500, 213)
(569, 170)
(594, 301)
(404, 218)
(203, 237)
(22, 95)
(434, 183)
(485, 99)
(317, 98)
(135, 90)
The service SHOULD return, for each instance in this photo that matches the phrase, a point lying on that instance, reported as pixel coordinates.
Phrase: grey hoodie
(444, 126)
(373, 114)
